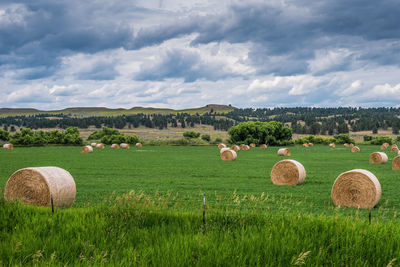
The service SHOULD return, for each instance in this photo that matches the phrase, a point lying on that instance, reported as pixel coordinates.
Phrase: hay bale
(244, 147)
(383, 147)
(284, 152)
(394, 145)
(224, 149)
(346, 145)
(263, 146)
(396, 163)
(8, 146)
(124, 145)
(355, 149)
(305, 145)
(332, 145)
(310, 144)
(235, 148)
(115, 146)
(351, 145)
(93, 144)
(37, 185)
(288, 172)
(228, 155)
(221, 146)
(101, 146)
(252, 145)
(356, 188)
(378, 158)
(138, 145)
(394, 149)
(386, 145)
(87, 149)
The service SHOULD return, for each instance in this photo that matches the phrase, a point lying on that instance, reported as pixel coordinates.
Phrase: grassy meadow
(143, 206)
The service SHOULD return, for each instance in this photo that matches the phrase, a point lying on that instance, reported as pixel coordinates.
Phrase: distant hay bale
(310, 144)
(396, 163)
(87, 149)
(386, 145)
(394, 149)
(346, 145)
(124, 146)
(101, 146)
(351, 145)
(252, 145)
(228, 155)
(93, 144)
(394, 145)
(221, 146)
(356, 188)
(244, 147)
(263, 146)
(115, 146)
(235, 148)
(37, 185)
(224, 149)
(288, 172)
(305, 145)
(378, 158)
(383, 147)
(8, 146)
(284, 152)
(355, 149)
(332, 145)
(138, 145)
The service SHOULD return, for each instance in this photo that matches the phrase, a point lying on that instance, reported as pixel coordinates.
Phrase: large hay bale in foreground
(224, 149)
(37, 185)
(228, 155)
(138, 145)
(8, 146)
(288, 172)
(356, 188)
(284, 152)
(235, 148)
(221, 146)
(305, 145)
(115, 146)
(332, 145)
(355, 149)
(93, 144)
(396, 163)
(124, 146)
(378, 158)
(252, 145)
(87, 149)
(101, 146)
(263, 146)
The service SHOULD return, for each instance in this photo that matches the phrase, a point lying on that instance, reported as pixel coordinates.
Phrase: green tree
(191, 134)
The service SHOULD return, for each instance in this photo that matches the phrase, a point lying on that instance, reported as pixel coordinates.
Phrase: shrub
(206, 137)
(110, 136)
(381, 139)
(4, 135)
(191, 134)
(70, 136)
(367, 138)
(315, 140)
(343, 138)
(398, 139)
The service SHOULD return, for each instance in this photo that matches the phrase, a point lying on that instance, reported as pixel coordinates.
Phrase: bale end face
(396, 163)
(288, 172)
(355, 149)
(284, 152)
(378, 158)
(228, 155)
(263, 146)
(87, 149)
(252, 145)
(138, 145)
(235, 148)
(356, 188)
(332, 145)
(394, 149)
(8, 146)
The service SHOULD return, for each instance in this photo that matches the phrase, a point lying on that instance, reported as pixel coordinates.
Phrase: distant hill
(103, 111)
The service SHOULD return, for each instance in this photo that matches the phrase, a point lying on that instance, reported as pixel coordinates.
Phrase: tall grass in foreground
(132, 232)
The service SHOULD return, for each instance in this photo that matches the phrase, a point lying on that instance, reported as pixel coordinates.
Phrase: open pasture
(181, 175)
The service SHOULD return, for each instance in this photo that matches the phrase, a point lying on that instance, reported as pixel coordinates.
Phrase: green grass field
(143, 206)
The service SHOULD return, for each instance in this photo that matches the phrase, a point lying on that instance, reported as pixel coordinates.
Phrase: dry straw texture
(263, 146)
(252, 145)
(378, 158)
(8, 146)
(87, 149)
(383, 147)
(332, 145)
(356, 188)
(245, 147)
(115, 146)
(93, 144)
(228, 155)
(288, 172)
(351, 145)
(224, 149)
(138, 145)
(346, 144)
(394, 149)
(101, 146)
(305, 145)
(396, 163)
(355, 149)
(124, 145)
(37, 185)
(235, 148)
(310, 144)
(386, 145)
(284, 152)
(221, 146)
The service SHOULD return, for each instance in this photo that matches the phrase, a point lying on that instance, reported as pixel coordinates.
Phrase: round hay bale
(8, 146)
(332, 145)
(263, 146)
(101, 146)
(221, 146)
(386, 145)
(351, 145)
(228, 155)
(346, 145)
(115, 146)
(305, 145)
(310, 144)
(87, 149)
(37, 185)
(284, 152)
(224, 149)
(93, 144)
(235, 148)
(124, 145)
(252, 145)
(288, 172)
(394, 145)
(356, 188)
(394, 149)
(383, 147)
(378, 158)
(138, 145)
(355, 149)
(244, 147)
(396, 163)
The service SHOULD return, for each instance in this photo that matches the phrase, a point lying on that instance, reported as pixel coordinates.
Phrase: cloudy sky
(185, 53)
